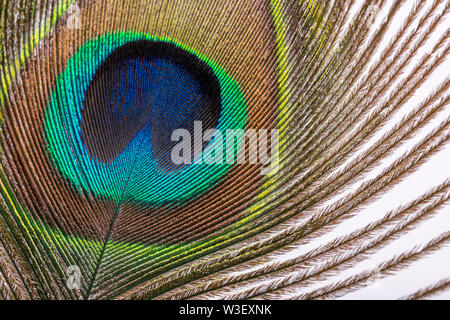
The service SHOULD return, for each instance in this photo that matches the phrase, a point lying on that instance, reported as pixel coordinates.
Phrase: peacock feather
(356, 189)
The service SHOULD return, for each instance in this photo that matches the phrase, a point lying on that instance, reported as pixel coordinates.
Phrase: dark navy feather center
(148, 87)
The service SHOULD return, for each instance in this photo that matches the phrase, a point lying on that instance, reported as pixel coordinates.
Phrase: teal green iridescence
(133, 174)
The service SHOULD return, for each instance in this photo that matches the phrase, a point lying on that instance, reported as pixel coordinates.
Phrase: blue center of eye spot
(147, 88)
